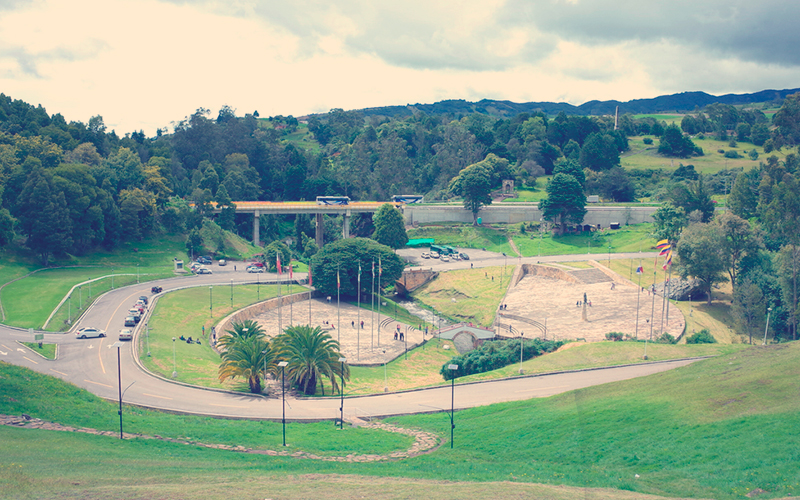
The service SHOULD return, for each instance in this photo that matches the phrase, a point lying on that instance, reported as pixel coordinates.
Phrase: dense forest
(70, 188)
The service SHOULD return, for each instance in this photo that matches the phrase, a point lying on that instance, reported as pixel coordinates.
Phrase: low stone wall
(254, 310)
(413, 279)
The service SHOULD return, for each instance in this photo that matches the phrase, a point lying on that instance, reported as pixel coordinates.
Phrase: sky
(147, 64)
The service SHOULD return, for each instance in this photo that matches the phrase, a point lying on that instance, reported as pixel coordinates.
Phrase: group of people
(353, 324)
(189, 340)
(503, 307)
(398, 333)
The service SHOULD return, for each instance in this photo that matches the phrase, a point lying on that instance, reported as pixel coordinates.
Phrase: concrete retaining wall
(512, 214)
(539, 270)
(254, 310)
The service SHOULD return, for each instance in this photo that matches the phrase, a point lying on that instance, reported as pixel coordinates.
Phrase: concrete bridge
(501, 213)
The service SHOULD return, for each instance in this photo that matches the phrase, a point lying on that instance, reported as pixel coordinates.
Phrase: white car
(126, 334)
(426, 255)
(444, 258)
(255, 269)
(90, 331)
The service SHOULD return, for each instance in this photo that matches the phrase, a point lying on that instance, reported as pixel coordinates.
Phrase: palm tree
(311, 354)
(248, 357)
(247, 328)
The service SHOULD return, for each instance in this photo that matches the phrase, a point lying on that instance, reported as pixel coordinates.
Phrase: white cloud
(144, 64)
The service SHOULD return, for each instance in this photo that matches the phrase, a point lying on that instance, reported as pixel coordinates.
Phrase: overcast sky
(144, 64)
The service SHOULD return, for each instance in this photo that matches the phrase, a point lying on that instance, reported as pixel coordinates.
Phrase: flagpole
(380, 273)
(638, 296)
(653, 288)
(358, 321)
(280, 297)
(669, 284)
(310, 281)
(663, 299)
(372, 310)
(338, 308)
(291, 279)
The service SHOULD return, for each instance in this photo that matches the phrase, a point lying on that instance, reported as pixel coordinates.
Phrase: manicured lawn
(186, 312)
(719, 428)
(469, 295)
(47, 350)
(464, 236)
(632, 238)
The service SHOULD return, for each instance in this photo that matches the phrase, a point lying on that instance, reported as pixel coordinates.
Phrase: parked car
(90, 331)
(135, 314)
(130, 321)
(126, 334)
(463, 256)
(204, 260)
(223, 262)
(444, 258)
(426, 255)
(434, 255)
(156, 289)
(254, 269)
(256, 264)
(144, 298)
(204, 270)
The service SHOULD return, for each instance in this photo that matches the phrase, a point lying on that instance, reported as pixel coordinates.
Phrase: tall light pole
(540, 236)
(521, 333)
(137, 274)
(69, 309)
(452, 368)
(609, 255)
(283, 364)
(231, 294)
(211, 301)
(118, 344)
(385, 378)
(174, 366)
(147, 335)
(341, 394)
(769, 310)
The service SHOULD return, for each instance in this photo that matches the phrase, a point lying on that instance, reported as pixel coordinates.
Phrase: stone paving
(554, 301)
(424, 442)
(361, 346)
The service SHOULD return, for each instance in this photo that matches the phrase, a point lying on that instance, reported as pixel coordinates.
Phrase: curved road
(92, 365)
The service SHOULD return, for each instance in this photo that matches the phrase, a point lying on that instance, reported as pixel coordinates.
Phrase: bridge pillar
(346, 225)
(256, 228)
(319, 234)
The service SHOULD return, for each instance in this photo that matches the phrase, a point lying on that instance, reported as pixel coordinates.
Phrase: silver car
(90, 331)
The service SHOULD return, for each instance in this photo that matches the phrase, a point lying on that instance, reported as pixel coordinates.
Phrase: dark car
(156, 289)
(144, 298)
(463, 256)
(204, 260)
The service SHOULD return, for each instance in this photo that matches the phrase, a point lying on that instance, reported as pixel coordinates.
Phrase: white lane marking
(64, 374)
(20, 350)
(4, 353)
(542, 389)
(98, 383)
(154, 396)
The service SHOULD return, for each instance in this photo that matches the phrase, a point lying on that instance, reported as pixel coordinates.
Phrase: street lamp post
(521, 334)
(211, 301)
(137, 274)
(769, 310)
(119, 380)
(341, 394)
(147, 336)
(231, 294)
(385, 378)
(69, 309)
(540, 236)
(112, 278)
(609, 255)
(174, 366)
(452, 368)
(283, 364)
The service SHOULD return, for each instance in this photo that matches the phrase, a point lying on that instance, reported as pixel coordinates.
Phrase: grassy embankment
(714, 429)
(186, 312)
(47, 350)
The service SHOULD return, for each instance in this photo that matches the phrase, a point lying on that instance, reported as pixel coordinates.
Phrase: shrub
(732, 154)
(615, 336)
(753, 154)
(732, 143)
(666, 338)
(721, 151)
(497, 354)
(701, 337)
(647, 140)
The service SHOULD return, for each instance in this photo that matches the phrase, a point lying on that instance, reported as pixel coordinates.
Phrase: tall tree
(700, 254)
(474, 184)
(565, 202)
(390, 229)
(311, 355)
(739, 240)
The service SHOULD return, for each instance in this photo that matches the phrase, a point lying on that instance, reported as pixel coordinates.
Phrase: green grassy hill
(719, 428)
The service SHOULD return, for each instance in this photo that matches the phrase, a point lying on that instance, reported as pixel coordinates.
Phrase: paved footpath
(90, 364)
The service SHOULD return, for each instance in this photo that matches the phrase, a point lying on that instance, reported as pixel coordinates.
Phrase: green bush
(701, 337)
(666, 338)
(615, 336)
(647, 140)
(732, 154)
(497, 354)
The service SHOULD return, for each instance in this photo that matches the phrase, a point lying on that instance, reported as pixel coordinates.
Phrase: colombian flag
(278, 263)
(662, 244)
(310, 279)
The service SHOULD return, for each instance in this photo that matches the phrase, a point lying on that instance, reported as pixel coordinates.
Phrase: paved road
(92, 365)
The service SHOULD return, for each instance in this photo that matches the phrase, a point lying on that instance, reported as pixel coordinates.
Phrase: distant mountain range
(675, 103)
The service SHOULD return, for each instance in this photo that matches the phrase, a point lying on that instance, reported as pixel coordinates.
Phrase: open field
(186, 312)
(633, 238)
(714, 429)
(28, 302)
(464, 236)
